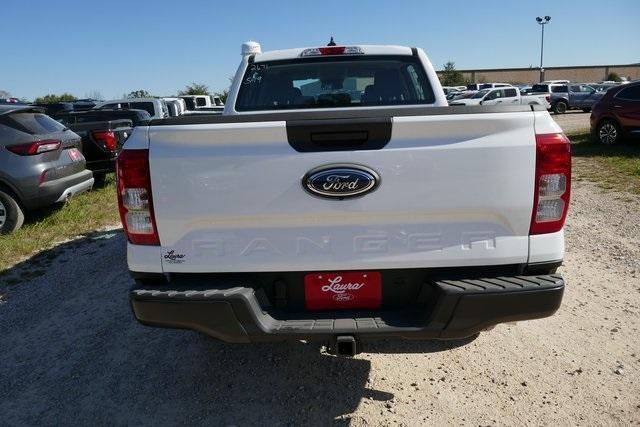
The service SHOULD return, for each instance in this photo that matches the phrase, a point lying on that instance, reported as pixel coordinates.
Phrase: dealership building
(579, 73)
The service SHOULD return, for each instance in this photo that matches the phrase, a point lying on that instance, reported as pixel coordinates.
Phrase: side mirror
(481, 102)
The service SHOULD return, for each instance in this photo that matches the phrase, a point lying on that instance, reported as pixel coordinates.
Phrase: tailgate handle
(339, 138)
(318, 135)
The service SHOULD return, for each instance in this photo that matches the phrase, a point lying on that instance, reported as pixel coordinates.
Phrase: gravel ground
(71, 353)
(573, 121)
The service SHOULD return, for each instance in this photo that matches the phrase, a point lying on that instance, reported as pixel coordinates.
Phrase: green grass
(615, 167)
(42, 229)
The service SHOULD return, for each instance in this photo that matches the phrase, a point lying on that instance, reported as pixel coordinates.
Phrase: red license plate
(75, 155)
(348, 290)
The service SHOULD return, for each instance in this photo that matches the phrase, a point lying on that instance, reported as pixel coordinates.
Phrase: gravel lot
(71, 352)
(572, 121)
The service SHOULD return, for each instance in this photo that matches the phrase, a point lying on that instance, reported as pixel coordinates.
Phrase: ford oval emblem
(340, 181)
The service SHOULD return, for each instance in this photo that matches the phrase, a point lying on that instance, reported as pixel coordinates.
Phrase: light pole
(542, 21)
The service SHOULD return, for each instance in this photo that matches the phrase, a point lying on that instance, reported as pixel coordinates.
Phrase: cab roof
(278, 55)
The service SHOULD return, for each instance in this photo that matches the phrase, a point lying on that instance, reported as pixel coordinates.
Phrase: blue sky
(115, 46)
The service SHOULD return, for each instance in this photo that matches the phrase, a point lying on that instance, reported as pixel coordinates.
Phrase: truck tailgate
(455, 189)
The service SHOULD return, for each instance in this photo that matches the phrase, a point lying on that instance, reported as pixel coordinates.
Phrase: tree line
(192, 89)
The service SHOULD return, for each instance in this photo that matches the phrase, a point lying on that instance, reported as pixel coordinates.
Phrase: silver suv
(40, 163)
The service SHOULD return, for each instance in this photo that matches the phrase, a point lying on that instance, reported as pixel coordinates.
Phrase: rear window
(559, 89)
(539, 88)
(34, 123)
(630, 93)
(334, 82)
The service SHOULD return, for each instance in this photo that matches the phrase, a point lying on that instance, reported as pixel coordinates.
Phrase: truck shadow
(71, 353)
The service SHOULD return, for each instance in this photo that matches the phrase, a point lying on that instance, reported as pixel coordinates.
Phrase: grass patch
(615, 167)
(82, 214)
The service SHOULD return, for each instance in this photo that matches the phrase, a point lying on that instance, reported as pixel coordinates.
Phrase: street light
(542, 21)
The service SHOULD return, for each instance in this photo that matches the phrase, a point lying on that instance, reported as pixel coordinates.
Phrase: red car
(617, 114)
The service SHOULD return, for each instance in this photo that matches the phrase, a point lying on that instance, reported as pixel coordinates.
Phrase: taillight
(553, 183)
(33, 148)
(134, 197)
(106, 138)
(548, 98)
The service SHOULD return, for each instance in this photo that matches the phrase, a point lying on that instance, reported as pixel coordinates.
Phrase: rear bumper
(456, 309)
(60, 189)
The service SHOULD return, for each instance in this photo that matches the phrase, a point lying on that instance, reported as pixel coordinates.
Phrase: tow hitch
(344, 345)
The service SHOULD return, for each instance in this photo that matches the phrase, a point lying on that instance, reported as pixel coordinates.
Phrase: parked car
(156, 107)
(504, 96)
(40, 163)
(550, 82)
(205, 104)
(617, 114)
(306, 213)
(103, 133)
(574, 96)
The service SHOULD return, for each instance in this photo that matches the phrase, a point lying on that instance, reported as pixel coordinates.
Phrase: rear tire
(608, 132)
(11, 215)
(560, 107)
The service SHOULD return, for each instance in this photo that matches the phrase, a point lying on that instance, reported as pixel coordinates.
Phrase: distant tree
(93, 94)
(195, 89)
(141, 93)
(614, 77)
(4, 94)
(450, 76)
(223, 95)
(51, 98)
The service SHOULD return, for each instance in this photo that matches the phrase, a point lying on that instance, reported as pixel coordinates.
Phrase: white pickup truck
(504, 96)
(339, 199)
